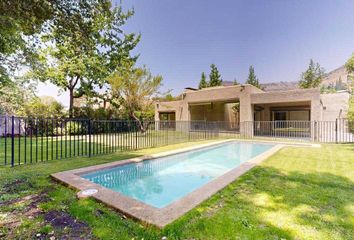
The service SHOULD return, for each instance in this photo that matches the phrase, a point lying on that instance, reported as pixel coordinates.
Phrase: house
(237, 104)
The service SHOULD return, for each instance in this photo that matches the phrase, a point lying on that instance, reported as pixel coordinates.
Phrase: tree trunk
(140, 124)
(71, 102)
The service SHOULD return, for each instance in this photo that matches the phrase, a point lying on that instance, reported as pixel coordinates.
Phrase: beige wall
(266, 113)
(293, 97)
(218, 111)
(247, 95)
(335, 105)
(208, 95)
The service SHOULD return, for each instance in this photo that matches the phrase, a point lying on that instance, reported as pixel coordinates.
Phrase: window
(168, 116)
(279, 116)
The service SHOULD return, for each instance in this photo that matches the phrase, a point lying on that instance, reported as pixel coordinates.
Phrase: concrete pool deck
(160, 217)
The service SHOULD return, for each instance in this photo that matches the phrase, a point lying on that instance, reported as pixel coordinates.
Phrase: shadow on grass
(268, 204)
(263, 204)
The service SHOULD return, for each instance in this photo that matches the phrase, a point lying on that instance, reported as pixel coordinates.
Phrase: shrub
(73, 128)
(351, 113)
(58, 131)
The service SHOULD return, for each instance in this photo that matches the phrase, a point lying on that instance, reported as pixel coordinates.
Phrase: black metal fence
(30, 140)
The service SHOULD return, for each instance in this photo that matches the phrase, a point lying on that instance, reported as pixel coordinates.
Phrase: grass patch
(299, 193)
(37, 148)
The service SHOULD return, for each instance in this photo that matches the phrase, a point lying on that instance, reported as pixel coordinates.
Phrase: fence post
(336, 130)
(5, 140)
(12, 141)
(136, 135)
(89, 133)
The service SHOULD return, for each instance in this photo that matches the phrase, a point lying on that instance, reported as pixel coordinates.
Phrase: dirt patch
(16, 186)
(28, 207)
(68, 226)
(64, 226)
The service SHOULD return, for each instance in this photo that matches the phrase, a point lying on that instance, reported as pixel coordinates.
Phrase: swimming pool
(160, 188)
(161, 181)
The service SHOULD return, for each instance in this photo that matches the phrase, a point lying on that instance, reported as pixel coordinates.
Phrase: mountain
(337, 78)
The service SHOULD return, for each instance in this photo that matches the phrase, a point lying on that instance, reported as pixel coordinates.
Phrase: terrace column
(316, 109)
(157, 116)
(246, 116)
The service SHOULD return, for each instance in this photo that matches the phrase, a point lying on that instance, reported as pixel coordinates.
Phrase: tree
(45, 106)
(312, 77)
(235, 82)
(214, 77)
(349, 65)
(15, 95)
(79, 57)
(252, 78)
(20, 21)
(134, 88)
(203, 83)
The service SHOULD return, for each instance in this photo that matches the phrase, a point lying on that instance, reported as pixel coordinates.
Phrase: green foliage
(14, 96)
(332, 88)
(46, 107)
(74, 128)
(252, 78)
(297, 190)
(167, 98)
(59, 131)
(214, 77)
(351, 109)
(92, 112)
(349, 65)
(235, 82)
(328, 89)
(203, 83)
(312, 77)
(78, 57)
(134, 88)
(20, 21)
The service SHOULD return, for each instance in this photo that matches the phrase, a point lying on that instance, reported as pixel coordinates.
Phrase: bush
(58, 131)
(73, 128)
(351, 113)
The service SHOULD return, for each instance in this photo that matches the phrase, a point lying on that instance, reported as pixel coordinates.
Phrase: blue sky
(180, 39)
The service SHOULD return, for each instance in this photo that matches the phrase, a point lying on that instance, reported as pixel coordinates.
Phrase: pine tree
(252, 78)
(203, 83)
(312, 77)
(214, 77)
(235, 82)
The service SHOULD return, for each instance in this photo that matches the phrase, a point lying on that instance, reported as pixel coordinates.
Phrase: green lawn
(39, 149)
(299, 193)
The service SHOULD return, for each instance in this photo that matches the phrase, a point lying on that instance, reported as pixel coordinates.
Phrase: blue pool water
(164, 180)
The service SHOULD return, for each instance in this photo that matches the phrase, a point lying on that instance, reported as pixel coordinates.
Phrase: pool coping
(160, 217)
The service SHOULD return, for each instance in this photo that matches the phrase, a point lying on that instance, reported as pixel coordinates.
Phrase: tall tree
(14, 96)
(312, 77)
(252, 78)
(45, 106)
(79, 57)
(203, 83)
(20, 21)
(134, 88)
(214, 77)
